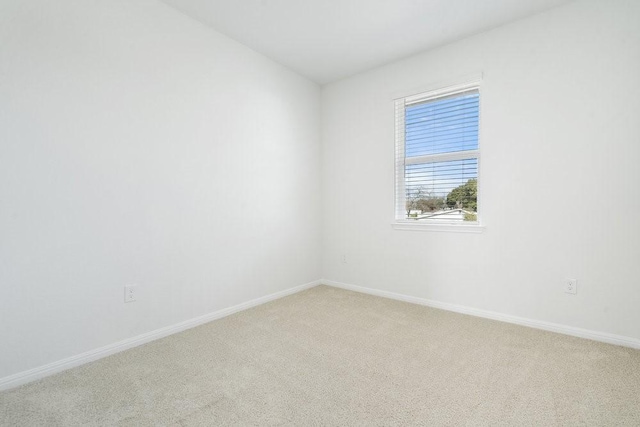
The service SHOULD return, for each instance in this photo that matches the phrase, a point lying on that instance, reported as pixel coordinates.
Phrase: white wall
(559, 176)
(138, 146)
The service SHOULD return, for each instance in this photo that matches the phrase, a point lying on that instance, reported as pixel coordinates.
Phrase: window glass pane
(443, 125)
(442, 190)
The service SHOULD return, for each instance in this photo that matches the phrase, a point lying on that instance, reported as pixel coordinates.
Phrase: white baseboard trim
(98, 353)
(531, 323)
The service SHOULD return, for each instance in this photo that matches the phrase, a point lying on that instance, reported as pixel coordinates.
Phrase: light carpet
(332, 357)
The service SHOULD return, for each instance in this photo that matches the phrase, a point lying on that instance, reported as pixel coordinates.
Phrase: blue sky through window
(440, 126)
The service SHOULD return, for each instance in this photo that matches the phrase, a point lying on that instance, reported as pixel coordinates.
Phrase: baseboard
(89, 356)
(531, 323)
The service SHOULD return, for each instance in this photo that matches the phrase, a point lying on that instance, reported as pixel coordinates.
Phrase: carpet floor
(332, 357)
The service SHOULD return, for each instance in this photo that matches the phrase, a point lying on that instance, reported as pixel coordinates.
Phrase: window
(437, 155)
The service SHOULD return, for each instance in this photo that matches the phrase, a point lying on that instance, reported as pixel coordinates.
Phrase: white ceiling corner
(326, 40)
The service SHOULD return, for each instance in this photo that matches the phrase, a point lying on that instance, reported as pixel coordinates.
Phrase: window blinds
(437, 155)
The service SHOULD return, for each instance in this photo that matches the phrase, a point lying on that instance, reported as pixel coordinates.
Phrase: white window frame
(400, 221)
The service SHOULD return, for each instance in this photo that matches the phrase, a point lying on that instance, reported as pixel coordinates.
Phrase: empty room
(319, 212)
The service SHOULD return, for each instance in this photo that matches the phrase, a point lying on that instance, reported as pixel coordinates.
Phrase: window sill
(451, 228)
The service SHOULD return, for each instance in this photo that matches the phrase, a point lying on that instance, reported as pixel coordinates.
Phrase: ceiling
(326, 40)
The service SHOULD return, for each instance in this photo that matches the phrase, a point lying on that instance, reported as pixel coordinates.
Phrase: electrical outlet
(571, 286)
(344, 258)
(130, 293)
